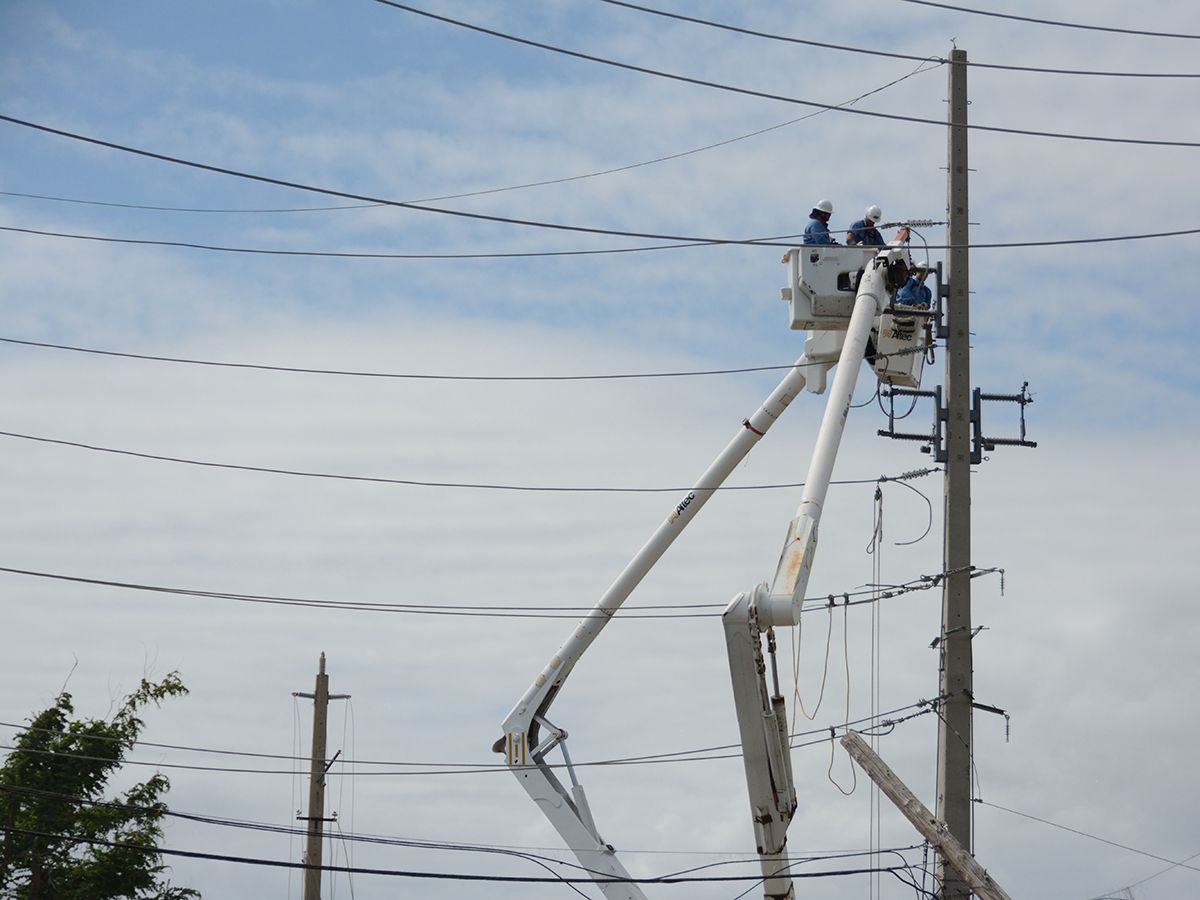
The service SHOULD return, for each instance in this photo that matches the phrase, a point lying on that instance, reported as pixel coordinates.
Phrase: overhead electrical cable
(402, 204)
(427, 609)
(543, 862)
(477, 216)
(747, 858)
(420, 376)
(1182, 864)
(892, 55)
(678, 611)
(828, 735)
(497, 190)
(766, 95)
(704, 754)
(576, 489)
(188, 209)
(522, 852)
(1055, 22)
(348, 254)
(546, 863)
(774, 241)
(304, 760)
(1163, 871)
(405, 873)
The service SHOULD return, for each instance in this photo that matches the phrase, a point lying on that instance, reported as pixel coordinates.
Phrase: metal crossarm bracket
(935, 439)
(941, 293)
(1022, 398)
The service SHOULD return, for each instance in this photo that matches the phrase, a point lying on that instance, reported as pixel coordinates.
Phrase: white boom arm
(795, 562)
(762, 718)
(529, 737)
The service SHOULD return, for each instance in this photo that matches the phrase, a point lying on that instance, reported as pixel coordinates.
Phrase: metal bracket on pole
(941, 293)
(935, 440)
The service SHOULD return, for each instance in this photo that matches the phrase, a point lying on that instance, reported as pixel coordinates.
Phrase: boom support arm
(795, 562)
(529, 736)
(524, 744)
(761, 713)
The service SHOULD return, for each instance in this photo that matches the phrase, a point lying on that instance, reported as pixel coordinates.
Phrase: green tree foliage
(59, 838)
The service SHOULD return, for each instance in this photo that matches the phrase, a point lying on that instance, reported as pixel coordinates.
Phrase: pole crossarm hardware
(931, 828)
(935, 439)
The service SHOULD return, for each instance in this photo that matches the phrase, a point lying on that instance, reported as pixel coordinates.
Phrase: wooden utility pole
(316, 785)
(954, 729)
(974, 876)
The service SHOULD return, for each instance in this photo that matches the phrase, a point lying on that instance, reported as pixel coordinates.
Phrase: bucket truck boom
(823, 296)
(761, 714)
(528, 734)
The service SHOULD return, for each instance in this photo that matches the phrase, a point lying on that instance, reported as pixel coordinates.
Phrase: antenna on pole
(316, 786)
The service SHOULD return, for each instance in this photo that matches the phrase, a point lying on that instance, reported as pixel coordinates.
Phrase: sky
(1089, 635)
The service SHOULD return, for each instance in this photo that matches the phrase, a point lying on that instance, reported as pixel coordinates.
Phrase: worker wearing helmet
(817, 229)
(914, 292)
(864, 232)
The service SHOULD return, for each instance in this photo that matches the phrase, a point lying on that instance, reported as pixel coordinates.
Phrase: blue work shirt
(817, 232)
(863, 232)
(914, 293)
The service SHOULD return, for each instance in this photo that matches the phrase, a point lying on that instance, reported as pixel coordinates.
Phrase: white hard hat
(825, 206)
(874, 213)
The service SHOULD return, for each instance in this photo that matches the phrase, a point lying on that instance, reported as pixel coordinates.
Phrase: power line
(941, 60)
(497, 190)
(1163, 871)
(529, 222)
(525, 852)
(703, 754)
(1174, 863)
(540, 861)
(339, 254)
(411, 482)
(872, 594)
(517, 853)
(770, 96)
(444, 876)
(420, 376)
(295, 185)
(427, 769)
(687, 242)
(1055, 22)
(189, 209)
(428, 609)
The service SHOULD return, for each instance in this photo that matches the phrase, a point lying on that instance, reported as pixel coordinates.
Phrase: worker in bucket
(864, 232)
(914, 292)
(817, 229)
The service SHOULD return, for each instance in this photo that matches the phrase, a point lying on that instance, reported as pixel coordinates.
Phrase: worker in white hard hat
(914, 292)
(864, 232)
(817, 229)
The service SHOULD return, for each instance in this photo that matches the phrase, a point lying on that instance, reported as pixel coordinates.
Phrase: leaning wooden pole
(973, 876)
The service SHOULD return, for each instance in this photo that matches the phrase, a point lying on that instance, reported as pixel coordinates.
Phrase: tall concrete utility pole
(954, 728)
(316, 785)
